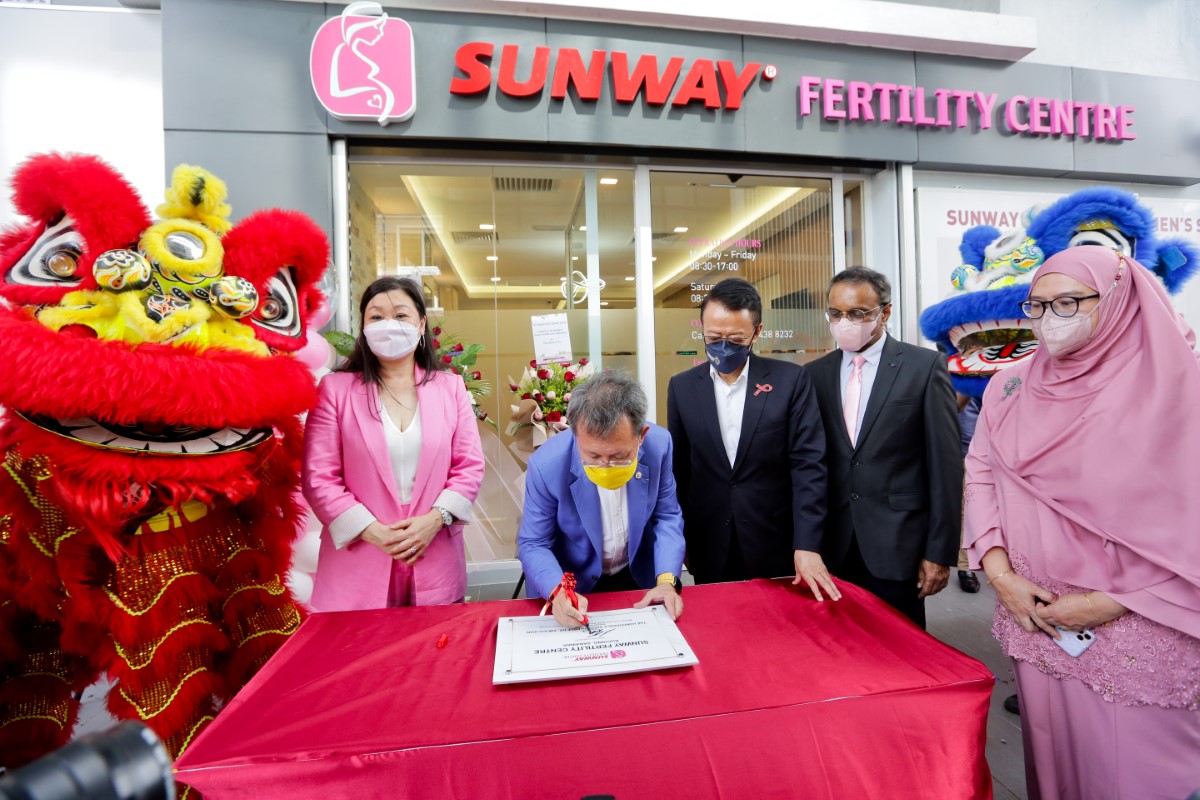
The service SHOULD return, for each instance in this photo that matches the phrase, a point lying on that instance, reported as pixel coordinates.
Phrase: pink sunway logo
(362, 65)
(617, 653)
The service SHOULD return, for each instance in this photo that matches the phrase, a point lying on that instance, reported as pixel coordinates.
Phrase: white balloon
(301, 586)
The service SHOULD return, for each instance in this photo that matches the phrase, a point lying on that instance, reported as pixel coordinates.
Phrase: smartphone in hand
(1073, 643)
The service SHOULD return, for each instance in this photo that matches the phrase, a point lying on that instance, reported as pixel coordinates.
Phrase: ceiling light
(630, 278)
(484, 226)
(654, 258)
(493, 258)
(603, 302)
(681, 229)
(583, 227)
(608, 181)
(495, 279)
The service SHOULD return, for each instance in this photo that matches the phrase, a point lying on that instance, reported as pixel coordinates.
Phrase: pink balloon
(317, 352)
(320, 315)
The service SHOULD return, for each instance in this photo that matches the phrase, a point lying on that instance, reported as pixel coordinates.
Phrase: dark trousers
(900, 595)
(734, 568)
(617, 582)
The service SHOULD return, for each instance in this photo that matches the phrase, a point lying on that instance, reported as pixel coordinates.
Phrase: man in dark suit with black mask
(892, 451)
(748, 448)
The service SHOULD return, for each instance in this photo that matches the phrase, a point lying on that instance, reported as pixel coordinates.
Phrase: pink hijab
(1109, 438)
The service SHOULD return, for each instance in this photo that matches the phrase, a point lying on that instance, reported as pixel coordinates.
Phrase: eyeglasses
(1062, 306)
(854, 315)
(736, 341)
(602, 464)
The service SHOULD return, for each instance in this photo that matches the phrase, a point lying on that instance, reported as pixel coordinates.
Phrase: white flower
(537, 414)
(550, 395)
(567, 397)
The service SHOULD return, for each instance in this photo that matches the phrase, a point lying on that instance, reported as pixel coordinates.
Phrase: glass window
(775, 232)
(493, 246)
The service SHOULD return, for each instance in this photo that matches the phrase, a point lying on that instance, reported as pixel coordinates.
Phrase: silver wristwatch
(447, 517)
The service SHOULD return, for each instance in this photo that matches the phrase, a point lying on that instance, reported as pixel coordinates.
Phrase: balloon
(320, 315)
(301, 586)
(317, 352)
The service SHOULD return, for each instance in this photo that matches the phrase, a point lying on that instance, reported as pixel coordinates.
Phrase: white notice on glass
(551, 339)
(631, 640)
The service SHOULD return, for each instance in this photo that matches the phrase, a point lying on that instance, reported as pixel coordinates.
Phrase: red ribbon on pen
(568, 586)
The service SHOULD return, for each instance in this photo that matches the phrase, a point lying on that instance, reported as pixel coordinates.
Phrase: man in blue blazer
(600, 503)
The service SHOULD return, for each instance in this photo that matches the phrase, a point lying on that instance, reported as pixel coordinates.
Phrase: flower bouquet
(460, 359)
(543, 394)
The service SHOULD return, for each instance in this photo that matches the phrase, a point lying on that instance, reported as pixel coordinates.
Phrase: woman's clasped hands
(405, 540)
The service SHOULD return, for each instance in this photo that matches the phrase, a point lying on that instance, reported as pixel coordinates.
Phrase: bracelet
(667, 577)
(1091, 607)
(998, 577)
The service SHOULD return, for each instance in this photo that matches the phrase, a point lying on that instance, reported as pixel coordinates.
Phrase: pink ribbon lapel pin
(761, 387)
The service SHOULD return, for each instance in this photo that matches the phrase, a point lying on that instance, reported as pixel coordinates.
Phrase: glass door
(775, 232)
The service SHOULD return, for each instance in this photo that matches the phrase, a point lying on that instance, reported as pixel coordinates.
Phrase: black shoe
(968, 581)
(1012, 705)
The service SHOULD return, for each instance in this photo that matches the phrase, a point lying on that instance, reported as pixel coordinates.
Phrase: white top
(404, 450)
(731, 402)
(873, 354)
(614, 521)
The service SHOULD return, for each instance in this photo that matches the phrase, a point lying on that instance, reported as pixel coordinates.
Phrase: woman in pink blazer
(392, 464)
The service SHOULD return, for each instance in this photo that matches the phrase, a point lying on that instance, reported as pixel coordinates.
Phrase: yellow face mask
(610, 477)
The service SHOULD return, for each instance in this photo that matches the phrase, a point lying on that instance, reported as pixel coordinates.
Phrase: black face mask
(727, 357)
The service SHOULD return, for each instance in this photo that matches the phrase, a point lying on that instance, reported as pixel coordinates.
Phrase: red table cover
(792, 698)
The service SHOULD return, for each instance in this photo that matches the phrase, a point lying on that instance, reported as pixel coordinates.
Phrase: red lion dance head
(150, 446)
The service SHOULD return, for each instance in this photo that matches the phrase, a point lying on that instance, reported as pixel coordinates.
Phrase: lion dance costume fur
(151, 447)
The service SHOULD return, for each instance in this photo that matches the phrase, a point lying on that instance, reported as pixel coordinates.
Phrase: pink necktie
(853, 392)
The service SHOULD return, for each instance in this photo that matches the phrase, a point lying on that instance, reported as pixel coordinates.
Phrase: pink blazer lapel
(364, 405)
(435, 407)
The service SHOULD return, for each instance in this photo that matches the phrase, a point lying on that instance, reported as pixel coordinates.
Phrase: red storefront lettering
(705, 81)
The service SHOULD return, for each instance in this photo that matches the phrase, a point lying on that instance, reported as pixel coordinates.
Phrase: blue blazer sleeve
(535, 539)
(667, 519)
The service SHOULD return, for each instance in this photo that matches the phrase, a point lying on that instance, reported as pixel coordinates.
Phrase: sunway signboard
(363, 67)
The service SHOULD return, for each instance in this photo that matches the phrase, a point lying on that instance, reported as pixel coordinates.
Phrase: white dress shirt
(731, 402)
(614, 521)
(873, 354)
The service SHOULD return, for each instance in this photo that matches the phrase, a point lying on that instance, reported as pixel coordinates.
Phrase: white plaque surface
(629, 640)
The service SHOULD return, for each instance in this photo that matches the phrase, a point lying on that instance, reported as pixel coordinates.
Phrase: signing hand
(810, 568)
(566, 614)
(931, 578)
(1074, 613)
(416, 533)
(1019, 596)
(665, 594)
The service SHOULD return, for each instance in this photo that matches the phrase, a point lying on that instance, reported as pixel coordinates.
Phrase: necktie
(853, 393)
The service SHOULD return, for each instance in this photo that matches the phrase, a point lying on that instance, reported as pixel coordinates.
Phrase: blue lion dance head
(980, 325)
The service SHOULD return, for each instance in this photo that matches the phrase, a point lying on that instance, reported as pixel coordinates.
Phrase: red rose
(512, 387)
(483, 415)
(543, 374)
(477, 375)
(554, 416)
(539, 397)
(446, 359)
(568, 376)
(582, 362)
(436, 344)
(527, 396)
(458, 348)
(437, 332)
(533, 363)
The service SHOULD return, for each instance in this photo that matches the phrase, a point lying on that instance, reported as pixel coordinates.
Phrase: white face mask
(391, 339)
(1063, 335)
(853, 336)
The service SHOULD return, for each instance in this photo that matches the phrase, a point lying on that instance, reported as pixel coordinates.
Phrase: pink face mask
(853, 336)
(1063, 335)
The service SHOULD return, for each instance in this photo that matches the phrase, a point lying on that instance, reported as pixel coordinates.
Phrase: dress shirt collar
(872, 354)
(739, 381)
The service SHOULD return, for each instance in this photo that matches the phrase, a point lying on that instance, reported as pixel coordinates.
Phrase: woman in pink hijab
(1082, 507)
